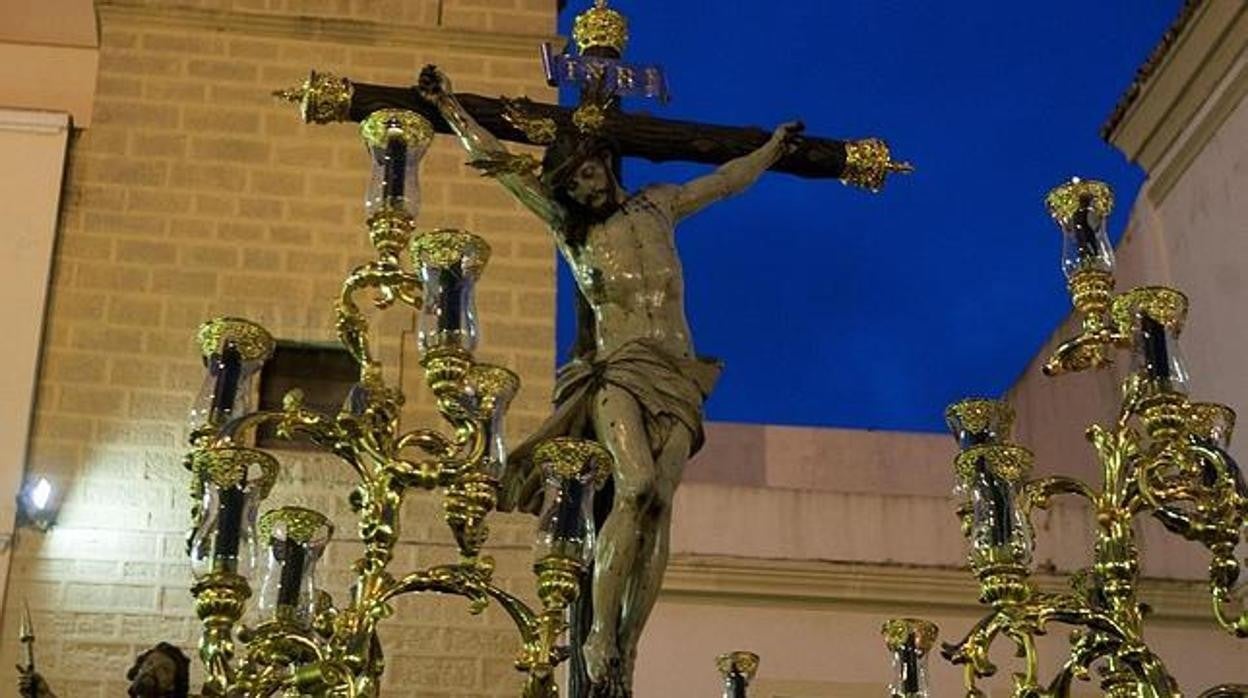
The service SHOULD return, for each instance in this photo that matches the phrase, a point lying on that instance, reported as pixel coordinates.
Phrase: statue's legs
(618, 423)
(643, 589)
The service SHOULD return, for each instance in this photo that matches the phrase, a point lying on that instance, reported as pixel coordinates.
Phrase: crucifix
(634, 383)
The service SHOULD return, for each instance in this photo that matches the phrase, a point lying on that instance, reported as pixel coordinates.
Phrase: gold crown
(600, 27)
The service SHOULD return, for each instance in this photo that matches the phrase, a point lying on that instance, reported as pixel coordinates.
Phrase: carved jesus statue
(635, 383)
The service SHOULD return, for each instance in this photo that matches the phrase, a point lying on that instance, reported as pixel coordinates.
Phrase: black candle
(735, 684)
(569, 523)
(1156, 351)
(395, 171)
(1084, 226)
(453, 292)
(227, 368)
(968, 438)
(229, 527)
(292, 555)
(997, 491)
(909, 655)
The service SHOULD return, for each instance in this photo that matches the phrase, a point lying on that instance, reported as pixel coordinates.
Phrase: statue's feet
(613, 684)
(598, 652)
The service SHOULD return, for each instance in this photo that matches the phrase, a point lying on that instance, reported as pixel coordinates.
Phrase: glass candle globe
(490, 392)
(234, 351)
(1081, 208)
(1154, 317)
(449, 263)
(232, 481)
(573, 470)
(293, 539)
(989, 480)
(738, 670)
(909, 640)
(396, 140)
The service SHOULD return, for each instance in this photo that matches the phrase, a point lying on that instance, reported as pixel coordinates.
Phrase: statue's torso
(630, 273)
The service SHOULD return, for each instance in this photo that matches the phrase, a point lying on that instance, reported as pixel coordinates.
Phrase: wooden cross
(326, 98)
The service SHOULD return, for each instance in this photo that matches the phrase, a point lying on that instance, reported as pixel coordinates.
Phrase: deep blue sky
(836, 307)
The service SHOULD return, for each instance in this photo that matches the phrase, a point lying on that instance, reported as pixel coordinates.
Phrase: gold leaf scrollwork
(384, 124)
(1167, 306)
(300, 524)
(254, 343)
(1007, 461)
(541, 131)
(868, 163)
(230, 466)
(448, 247)
(568, 457)
(590, 117)
(323, 98)
(898, 632)
(489, 382)
(979, 415)
(1063, 201)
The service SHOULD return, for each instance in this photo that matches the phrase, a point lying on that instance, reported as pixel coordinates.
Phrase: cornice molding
(347, 31)
(33, 121)
(901, 589)
(1190, 85)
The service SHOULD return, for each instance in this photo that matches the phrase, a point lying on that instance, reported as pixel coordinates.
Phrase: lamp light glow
(38, 502)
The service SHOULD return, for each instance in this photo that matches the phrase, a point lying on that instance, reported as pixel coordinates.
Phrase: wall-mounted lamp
(38, 503)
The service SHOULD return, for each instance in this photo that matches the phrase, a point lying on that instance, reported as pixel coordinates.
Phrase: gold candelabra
(1164, 456)
(302, 643)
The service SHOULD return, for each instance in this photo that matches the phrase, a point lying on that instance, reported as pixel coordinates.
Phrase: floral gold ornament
(323, 98)
(589, 117)
(253, 342)
(229, 465)
(868, 163)
(448, 247)
(384, 124)
(539, 131)
(297, 523)
(1064, 201)
(1163, 456)
(1165, 305)
(570, 457)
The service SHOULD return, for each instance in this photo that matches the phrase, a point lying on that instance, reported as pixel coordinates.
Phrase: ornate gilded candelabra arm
(272, 648)
(1101, 632)
(1089, 349)
(1223, 571)
(472, 581)
(972, 651)
(390, 282)
(449, 461)
(1039, 493)
(428, 441)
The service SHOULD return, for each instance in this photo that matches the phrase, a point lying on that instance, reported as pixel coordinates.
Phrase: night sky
(835, 307)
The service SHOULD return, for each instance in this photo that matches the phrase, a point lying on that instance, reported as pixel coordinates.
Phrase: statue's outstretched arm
(737, 175)
(483, 146)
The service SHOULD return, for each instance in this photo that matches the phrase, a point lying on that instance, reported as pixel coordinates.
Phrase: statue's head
(161, 672)
(580, 172)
